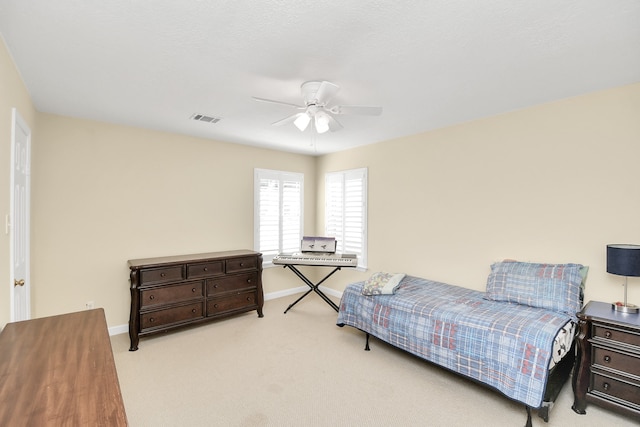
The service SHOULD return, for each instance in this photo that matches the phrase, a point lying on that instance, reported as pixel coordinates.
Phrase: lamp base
(622, 308)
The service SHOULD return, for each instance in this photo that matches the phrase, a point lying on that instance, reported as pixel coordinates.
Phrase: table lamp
(624, 260)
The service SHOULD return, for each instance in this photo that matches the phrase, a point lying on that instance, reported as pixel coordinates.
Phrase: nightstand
(607, 371)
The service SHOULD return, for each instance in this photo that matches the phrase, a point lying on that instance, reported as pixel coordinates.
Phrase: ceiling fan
(317, 95)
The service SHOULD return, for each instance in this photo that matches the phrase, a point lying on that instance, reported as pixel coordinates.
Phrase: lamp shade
(623, 260)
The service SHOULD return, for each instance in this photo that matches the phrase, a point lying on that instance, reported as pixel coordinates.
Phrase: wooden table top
(59, 371)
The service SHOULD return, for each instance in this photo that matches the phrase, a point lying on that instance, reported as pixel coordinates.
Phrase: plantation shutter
(291, 223)
(277, 212)
(346, 211)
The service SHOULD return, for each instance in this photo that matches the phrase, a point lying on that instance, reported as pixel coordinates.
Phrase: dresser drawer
(244, 300)
(614, 334)
(171, 316)
(231, 283)
(241, 264)
(612, 387)
(205, 269)
(161, 275)
(610, 359)
(170, 294)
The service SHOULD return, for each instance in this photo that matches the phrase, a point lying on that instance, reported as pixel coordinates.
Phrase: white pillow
(382, 283)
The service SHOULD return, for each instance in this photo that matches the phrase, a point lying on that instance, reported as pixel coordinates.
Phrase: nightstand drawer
(611, 333)
(610, 359)
(618, 389)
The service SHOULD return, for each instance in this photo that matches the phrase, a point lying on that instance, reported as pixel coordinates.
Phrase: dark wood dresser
(608, 365)
(171, 292)
(59, 371)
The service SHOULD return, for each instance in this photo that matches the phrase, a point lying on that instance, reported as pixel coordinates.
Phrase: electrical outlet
(88, 305)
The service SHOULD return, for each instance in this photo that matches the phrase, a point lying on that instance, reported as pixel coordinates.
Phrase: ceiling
(427, 63)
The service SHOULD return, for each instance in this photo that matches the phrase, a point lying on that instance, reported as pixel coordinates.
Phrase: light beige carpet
(300, 369)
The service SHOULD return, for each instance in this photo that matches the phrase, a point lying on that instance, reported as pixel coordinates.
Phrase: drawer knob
(193, 289)
(248, 298)
(248, 280)
(607, 334)
(151, 319)
(163, 274)
(606, 386)
(205, 269)
(607, 358)
(152, 296)
(242, 264)
(193, 310)
(215, 305)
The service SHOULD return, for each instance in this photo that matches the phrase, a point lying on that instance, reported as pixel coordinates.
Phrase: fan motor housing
(309, 91)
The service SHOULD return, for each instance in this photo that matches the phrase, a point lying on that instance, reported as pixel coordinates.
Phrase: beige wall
(13, 94)
(104, 194)
(553, 183)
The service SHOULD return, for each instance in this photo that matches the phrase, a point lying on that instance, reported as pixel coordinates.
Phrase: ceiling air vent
(203, 118)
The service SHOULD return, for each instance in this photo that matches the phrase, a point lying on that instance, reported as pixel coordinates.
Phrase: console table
(175, 291)
(607, 371)
(59, 371)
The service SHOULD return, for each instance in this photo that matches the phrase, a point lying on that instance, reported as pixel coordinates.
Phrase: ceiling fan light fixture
(302, 121)
(322, 122)
(317, 98)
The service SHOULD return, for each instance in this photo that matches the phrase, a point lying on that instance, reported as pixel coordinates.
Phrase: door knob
(18, 282)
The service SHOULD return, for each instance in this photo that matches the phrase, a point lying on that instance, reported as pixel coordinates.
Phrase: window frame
(281, 176)
(343, 176)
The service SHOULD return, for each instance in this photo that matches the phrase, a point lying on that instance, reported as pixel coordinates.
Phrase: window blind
(346, 211)
(278, 212)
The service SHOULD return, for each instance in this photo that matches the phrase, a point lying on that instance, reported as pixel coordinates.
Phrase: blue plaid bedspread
(504, 345)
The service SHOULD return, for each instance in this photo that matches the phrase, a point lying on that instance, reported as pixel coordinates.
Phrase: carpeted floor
(300, 369)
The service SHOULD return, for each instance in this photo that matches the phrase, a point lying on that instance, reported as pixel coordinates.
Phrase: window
(346, 211)
(278, 212)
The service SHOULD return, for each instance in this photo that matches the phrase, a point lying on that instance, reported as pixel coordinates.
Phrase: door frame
(18, 122)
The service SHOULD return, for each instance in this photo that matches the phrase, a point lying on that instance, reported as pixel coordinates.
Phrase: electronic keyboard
(330, 260)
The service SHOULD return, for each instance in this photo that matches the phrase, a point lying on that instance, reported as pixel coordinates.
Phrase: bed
(517, 337)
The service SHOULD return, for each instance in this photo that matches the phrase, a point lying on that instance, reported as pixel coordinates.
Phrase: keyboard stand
(314, 287)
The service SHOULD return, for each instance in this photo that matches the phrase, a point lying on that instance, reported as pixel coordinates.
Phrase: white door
(18, 223)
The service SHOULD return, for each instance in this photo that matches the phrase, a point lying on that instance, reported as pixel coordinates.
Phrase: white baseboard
(331, 292)
(120, 329)
(124, 329)
(285, 293)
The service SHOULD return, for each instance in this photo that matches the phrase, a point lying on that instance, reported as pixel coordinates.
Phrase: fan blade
(356, 109)
(287, 120)
(326, 91)
(271, 101)
(334, 125)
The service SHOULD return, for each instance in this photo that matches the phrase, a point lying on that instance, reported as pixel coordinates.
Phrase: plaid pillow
(552, 286)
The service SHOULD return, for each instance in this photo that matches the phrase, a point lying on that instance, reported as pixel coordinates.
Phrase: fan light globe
(322, 122)
(302, 121)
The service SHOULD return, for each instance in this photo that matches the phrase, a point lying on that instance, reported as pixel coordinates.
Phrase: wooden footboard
(557, 379)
